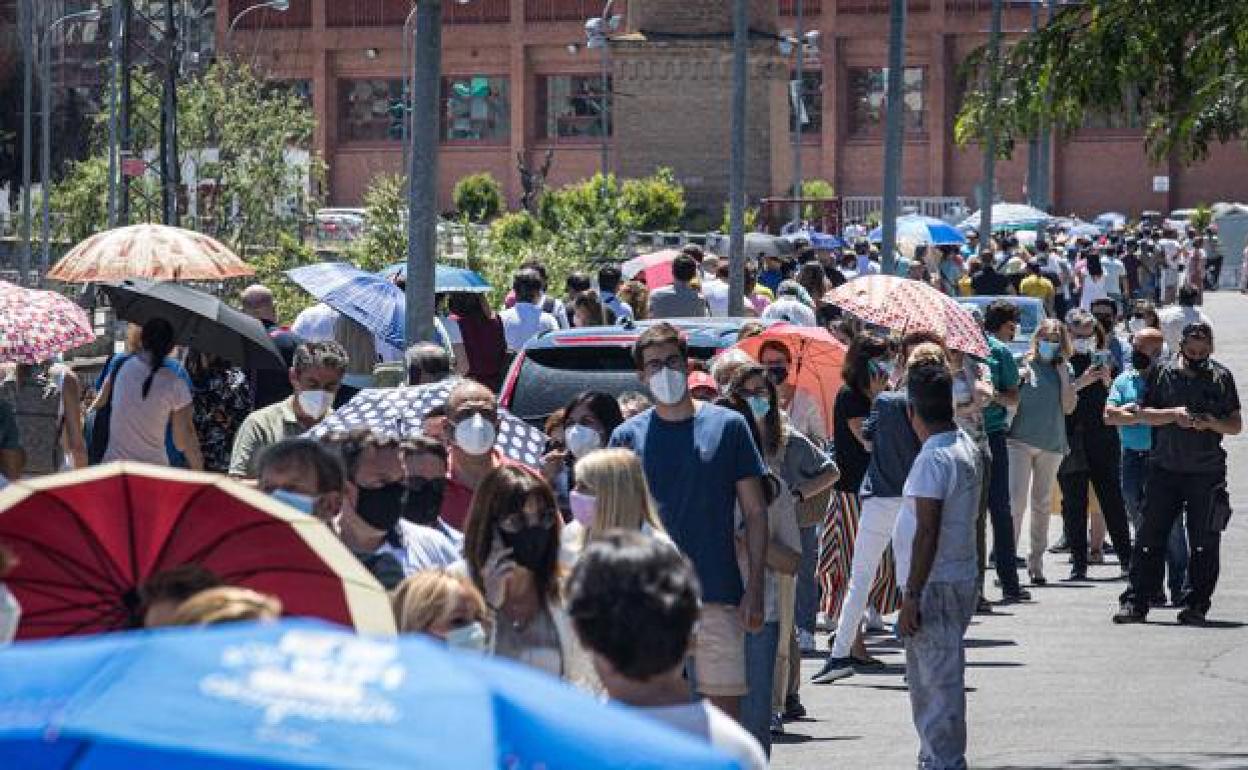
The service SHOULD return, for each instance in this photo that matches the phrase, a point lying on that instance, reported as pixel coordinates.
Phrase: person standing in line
(484, 340)
(269, 385)
(1192, 402)
(472, 419)
(1176, 318)
(681, 299)
(609, 279)
(634, 602)
(1001, 322)
(526, 319)
(972, 389)
(939, 598)
(1122, 409)
(701, 463)
(1095, 455)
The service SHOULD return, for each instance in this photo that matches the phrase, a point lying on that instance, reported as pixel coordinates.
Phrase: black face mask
(424, 500)
(1198, 365)
(777, 374)
(528, 547)
(381, 508)
(1140, 361)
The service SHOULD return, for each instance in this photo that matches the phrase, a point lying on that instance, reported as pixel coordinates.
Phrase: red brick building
(518, 80)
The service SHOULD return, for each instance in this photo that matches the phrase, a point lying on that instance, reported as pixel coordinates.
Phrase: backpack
(98, 421)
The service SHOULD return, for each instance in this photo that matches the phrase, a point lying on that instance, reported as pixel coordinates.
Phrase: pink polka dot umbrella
(904, 306)
(37, 325)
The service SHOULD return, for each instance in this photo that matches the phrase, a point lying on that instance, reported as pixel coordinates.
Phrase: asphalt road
(1053, 684)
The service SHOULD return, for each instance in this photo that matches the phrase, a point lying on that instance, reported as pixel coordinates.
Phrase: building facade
(519, 83)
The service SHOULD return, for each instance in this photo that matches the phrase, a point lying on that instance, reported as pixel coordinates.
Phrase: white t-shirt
(702, 720)
(715, 292)
(137, 427)
(1175, 318)
(524, 322)
(1093, 289)
(316, 324)
(790, 311)
(1114, 271)
(806, 418)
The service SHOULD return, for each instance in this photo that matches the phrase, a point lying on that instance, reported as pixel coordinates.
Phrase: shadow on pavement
(1185, 761)
(798, 738)
(994, 664)
(983, 643)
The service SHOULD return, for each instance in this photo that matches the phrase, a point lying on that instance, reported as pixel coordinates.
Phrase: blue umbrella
(365, 297)
(920, 229)
(304, 694)
(447, 280)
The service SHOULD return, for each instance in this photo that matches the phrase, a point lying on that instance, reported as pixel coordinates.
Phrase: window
(868, 95)
(810, 117)
(302, 89)
(570, 106)
(1126, 116)
(370, 110)
(476, 108)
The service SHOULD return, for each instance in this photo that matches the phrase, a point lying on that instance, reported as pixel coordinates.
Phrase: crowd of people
(689, 542)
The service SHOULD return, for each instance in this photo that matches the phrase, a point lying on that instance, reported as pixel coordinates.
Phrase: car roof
(698, 332)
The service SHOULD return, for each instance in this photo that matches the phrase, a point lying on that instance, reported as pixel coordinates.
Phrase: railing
(879, 6)
(859, 207)
(569, 10)
(367, 13)
(809, 7)
(477, 12)
(297, 16)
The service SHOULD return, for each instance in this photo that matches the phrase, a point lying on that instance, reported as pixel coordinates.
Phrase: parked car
(556, 366)
(340, 224)
(1031, 313)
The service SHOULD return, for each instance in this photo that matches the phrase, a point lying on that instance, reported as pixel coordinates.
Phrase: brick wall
(696, 17)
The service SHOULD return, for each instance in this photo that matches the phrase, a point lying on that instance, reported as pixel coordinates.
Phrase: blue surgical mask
(759, 405)
(1047, 350)
(300, 502)
(470, 638)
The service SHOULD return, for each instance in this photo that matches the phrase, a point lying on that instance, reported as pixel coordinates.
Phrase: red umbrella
(817, 359)
(87, 541)
(903, 305)
(655, 267)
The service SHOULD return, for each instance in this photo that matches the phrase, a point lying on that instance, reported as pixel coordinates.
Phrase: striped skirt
(836, 557)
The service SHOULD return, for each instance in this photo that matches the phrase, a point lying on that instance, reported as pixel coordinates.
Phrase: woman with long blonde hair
(611, 493)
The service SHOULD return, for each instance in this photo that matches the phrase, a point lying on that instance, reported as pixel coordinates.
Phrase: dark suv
(556, 366)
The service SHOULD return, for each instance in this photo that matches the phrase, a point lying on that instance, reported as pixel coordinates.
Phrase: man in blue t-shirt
(1122, 409)
(701, 463)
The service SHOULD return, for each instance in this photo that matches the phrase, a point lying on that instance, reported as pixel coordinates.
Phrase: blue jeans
(807, 586)
(760, 675)
(1003, 551)
(1134, 473)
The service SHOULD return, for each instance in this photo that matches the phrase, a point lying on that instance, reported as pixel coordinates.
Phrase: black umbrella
(200, 321)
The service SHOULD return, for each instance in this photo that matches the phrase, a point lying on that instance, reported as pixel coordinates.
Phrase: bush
(818, 188)
(385, 234)
(653, 204)
(271, 267)
(478, 197)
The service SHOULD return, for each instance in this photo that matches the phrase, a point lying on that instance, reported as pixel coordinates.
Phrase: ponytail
(157, 341)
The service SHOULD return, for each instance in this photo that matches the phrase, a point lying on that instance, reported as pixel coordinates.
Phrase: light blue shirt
(1128, 388)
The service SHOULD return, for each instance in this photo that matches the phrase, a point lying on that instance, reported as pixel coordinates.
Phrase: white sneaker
(806, 641)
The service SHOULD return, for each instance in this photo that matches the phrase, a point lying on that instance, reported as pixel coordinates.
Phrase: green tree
(1182, 63)
(271, 266)
(385, 238)
(653, 204)
(81, 199)
(478, 197)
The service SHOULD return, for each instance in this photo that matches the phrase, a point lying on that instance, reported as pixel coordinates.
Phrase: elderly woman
(444, 605)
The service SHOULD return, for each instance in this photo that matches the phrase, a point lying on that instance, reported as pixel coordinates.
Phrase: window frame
(877, 133)
(503, 140)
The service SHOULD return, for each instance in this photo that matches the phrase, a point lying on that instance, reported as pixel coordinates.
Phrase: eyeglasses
(466, 413)
(655, 365)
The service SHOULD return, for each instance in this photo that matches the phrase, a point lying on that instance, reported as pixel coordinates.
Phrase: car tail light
(509, 384)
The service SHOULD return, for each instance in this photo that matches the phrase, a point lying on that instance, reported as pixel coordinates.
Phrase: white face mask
(315, 403)
(1136, 324)
(475, 435)
(582, 440)
(10, 615)
(1084, 346)
(668, 386)
(470, 638)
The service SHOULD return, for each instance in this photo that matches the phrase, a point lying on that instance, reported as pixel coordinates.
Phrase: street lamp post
(597, 35)
(990, 142)
(45, 159)
(798, 46)
(27, 12)
(893, 136)
(281, 6)
(408, 74)
(736, 170)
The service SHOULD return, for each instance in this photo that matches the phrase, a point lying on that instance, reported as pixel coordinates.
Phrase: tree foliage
(478, 197)
(1183, 62)
(385, 237)
(271, 266)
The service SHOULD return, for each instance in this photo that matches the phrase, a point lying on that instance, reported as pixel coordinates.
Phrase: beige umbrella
(155, 252)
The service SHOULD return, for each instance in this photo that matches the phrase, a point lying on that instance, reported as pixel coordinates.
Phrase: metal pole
(799, 108)
(407, 86)
(990, 142)
(893, 139)
(114, 70)
(27, 25)
(45, 150)
(736, 175)
(1033, 143)
(1044, 195)
(422, 191)
(605, 100)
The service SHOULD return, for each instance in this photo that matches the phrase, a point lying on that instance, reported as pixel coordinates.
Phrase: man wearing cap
(1193, 403)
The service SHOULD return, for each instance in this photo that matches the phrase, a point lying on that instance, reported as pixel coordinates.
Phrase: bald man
(472, 427)
(1122, 409)
(270, 385)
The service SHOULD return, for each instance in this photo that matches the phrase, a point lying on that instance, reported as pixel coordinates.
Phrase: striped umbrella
(361, 296)
(37, 325)
(446, 279)
(156, 252)
(903, 306)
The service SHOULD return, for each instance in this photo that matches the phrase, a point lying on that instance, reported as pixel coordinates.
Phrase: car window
(1030, 313)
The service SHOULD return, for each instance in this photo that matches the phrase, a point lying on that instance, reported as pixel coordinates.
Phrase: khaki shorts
(719, 651)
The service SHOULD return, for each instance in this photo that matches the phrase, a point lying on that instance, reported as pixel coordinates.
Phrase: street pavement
(1052, 683)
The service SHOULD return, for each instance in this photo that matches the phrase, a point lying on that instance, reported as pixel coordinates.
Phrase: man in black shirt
(269, 385)
(1192, 403)
(988, 282)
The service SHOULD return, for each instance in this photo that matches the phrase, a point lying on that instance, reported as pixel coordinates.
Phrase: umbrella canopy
(157, 252)
(655, 267)
(302, 694)
(88, 540)
(446, 279)
(1009, 216)
(399, 411)
(923, 230)
(200, 321)
(1111, 220)
(903, 306)
(817, 360)
(37, 325)
(365, 297)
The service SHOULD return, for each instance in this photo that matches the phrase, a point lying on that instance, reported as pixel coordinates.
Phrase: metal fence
(860, 207)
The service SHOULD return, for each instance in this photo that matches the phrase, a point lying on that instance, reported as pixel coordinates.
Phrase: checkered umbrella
(903, 306)
(37, 325)
(399, 411)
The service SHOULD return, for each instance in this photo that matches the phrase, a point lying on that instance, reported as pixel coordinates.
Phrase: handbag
(814, 509)
(96, 426)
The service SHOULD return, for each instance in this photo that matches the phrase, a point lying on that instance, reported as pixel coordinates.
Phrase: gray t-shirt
(947, 470)
(893, 445)
(678, 301)
(1040, 421)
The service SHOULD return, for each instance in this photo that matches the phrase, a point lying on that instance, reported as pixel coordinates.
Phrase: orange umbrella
(156, 252)
(817, 359)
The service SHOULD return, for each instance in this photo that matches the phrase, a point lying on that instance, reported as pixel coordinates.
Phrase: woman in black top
(868, 366)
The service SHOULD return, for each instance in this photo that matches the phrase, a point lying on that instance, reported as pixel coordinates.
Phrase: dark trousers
(1165, 495)
(1104, 470)
(1003, 551)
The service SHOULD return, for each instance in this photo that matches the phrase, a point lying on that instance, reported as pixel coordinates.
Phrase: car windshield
(1030, 313)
